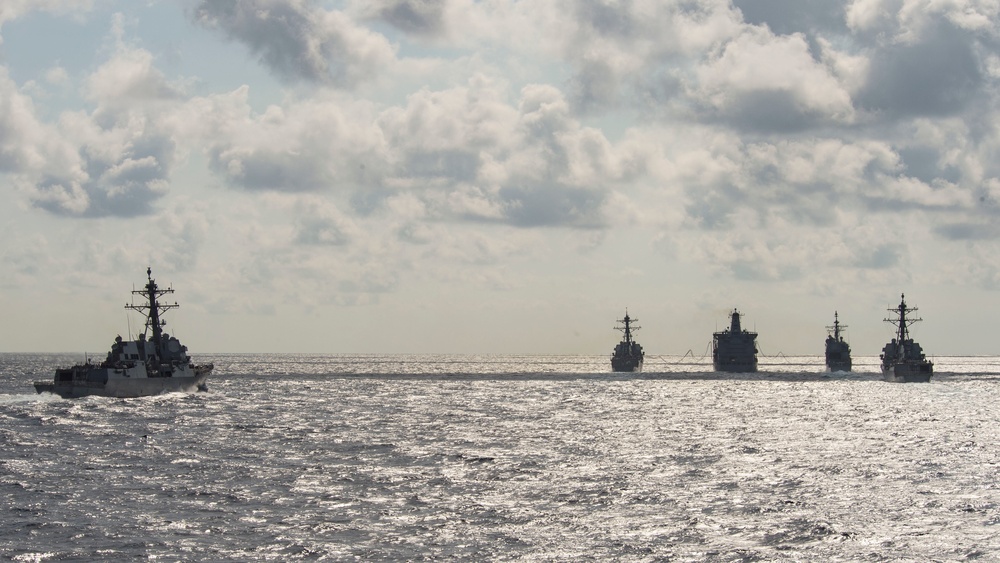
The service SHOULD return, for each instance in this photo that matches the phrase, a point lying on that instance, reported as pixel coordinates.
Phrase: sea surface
(505, 458)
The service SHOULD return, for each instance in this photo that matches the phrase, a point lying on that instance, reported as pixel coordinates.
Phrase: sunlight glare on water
(548, 458)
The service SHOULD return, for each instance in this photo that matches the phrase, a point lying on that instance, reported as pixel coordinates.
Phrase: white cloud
(129, 78)
(299, 40)
(27, 145)
(114, 161)
(907, 20)
(319, 144)
(424, 18)
(319, 222)
(13, 9)
(528, 165)
(57, 76)
(768, 82)
(512, 147)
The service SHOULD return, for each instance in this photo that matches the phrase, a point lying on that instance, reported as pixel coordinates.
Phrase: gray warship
(903, 360)
(135, 368)
(734, 349)
(628, 354)
(838, 352)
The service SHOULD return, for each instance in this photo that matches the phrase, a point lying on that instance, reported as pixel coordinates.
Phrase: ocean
(505, 458)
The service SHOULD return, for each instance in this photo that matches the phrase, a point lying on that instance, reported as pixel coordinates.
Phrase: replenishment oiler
(903, 360)
(734, 349)
(838, 352)
(628, 354)
(135, 368)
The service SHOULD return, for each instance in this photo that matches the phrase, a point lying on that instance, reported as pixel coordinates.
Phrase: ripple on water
(312, 458)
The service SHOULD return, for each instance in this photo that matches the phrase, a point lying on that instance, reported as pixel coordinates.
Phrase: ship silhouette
(135, 368)
(903, 360)
(628, 354)
(734, 349)
(838, 352)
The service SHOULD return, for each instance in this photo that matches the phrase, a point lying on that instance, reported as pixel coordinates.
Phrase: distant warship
(735, 349)
(838, 352)
(903, 360)
(135, 368)
(628, 354)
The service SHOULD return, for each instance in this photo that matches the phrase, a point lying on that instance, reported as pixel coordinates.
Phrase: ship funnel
(735, 327)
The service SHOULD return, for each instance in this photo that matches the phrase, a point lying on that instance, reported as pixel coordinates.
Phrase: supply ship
(628, 354)
(135, 368)
(903, 360)
(734, 349)
(838, 352)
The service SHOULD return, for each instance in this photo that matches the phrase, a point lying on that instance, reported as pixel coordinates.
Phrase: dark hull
(626, 363)
(126, 387)
(837, 365)
(736, 365)
(734, 350)
(838, 356)
(908, 372)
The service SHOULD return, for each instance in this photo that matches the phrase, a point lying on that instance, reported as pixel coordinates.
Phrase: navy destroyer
(838, 352)
(135, 368)
(734, 349)
(903, 360)
(628, 354)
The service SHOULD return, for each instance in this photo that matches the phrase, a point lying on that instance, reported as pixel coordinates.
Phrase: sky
(499, 176)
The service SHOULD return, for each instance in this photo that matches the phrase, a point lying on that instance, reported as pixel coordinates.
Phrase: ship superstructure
(734, 349)
(903, 360)
(135, 368)
(838, 352)
(628, 354)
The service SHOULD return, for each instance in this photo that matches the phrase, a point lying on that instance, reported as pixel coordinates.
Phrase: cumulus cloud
(467, 153)
(807, 182)
(113, 161)
(786, 251)
(530, 166)
(12, 9)
(763, 82)
(937, 74)
(124, 182)
(318, 222)
(299, 40)
(26, 144)
(426, 18)
(130, 78)
(907, 20)
(620, 51)
(314, 145)
(786, 17)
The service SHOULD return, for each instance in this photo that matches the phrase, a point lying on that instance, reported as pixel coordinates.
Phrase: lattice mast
(151, 307)
(628, 327)
(836, 328)
(902, 322)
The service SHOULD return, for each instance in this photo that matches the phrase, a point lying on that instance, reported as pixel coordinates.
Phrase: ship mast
(902, 323)
(153, 309)
(627, 329)
(837, 326)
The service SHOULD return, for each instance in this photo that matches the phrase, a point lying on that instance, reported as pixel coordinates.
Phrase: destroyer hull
(124, 388)
(626, 364)
(838, 366)
(736, 365)
(908, 373)
(838, 356)
(734, 350)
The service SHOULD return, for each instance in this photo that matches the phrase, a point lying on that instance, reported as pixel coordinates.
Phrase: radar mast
(628, 328)
(151, 307)
(837, 326)
(902, 322)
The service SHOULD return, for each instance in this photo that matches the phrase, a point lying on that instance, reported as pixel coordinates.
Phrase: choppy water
(505, 458)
